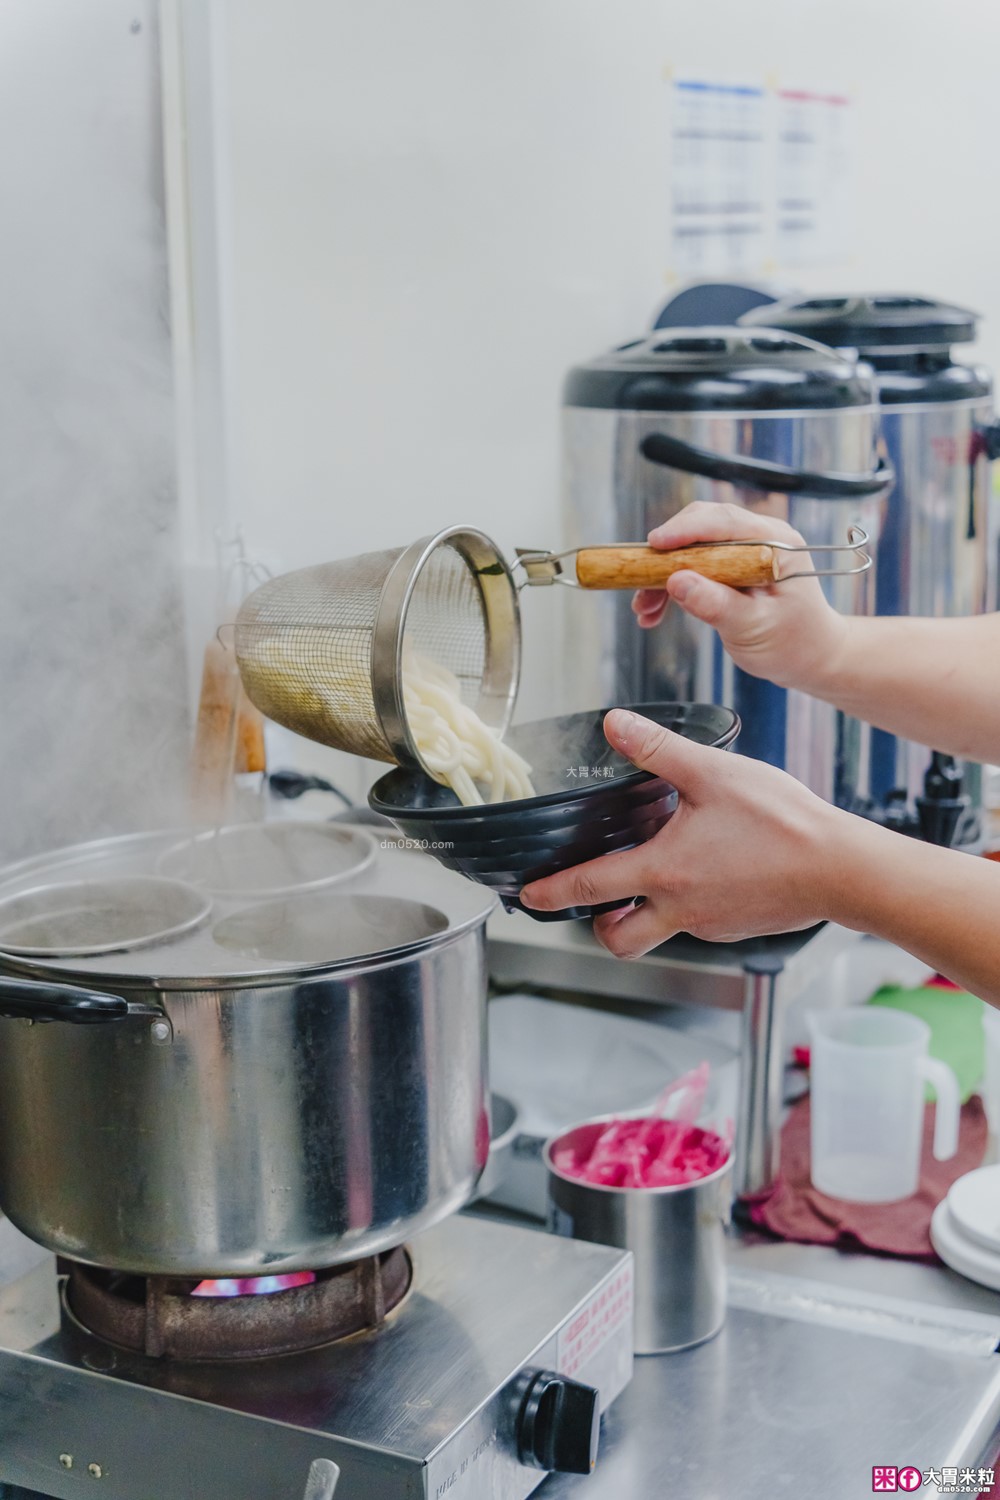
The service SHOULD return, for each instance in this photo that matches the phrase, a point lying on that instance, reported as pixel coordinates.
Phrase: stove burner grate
(162, 1317)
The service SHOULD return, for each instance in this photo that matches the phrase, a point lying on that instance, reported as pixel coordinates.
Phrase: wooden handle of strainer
(743, 565)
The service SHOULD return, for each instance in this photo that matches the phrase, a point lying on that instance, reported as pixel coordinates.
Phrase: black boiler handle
(559, 1424)
(761, 474)
(28, 999)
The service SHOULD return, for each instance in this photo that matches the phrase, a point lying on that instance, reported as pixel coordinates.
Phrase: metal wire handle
(857, 541)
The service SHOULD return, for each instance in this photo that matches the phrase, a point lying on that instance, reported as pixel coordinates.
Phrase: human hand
(749, 851)
(787, 632)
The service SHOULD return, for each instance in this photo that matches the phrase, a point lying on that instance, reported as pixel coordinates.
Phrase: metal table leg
(759, 1124)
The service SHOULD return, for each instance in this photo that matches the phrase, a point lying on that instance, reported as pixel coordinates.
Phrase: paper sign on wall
(812, 177)
(718, 187)
(760, 177)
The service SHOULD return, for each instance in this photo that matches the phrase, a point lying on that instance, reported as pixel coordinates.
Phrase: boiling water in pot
(323, 929)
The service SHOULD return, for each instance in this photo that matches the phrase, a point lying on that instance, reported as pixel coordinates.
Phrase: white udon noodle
(454, 744)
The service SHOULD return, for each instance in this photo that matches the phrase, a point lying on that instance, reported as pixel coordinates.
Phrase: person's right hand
(787, 632)
(749, 851)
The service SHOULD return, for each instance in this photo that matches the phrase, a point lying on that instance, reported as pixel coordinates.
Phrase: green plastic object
(956, 1022)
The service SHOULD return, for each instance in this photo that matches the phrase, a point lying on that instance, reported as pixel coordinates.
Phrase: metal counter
(828, 1365)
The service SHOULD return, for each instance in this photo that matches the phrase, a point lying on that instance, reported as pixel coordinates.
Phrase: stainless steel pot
(232, 1110)
(766, 421)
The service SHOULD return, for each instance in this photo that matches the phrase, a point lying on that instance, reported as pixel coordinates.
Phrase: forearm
(936, 682)
(940, 905)
(933, 681)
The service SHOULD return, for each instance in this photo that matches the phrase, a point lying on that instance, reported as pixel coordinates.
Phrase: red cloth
(792, 1208)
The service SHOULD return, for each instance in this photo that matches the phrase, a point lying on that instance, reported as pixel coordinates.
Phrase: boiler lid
(719, 369)
(870, 322)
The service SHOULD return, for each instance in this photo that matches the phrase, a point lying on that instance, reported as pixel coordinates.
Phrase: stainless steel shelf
(683, 971)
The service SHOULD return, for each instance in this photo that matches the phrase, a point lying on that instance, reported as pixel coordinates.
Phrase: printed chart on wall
(760, 176)
(717, 177)
(812, 177)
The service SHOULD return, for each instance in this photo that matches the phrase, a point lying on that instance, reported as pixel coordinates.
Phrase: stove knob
(558, 1424)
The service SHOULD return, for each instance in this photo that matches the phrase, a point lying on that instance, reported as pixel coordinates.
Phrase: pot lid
(268, 859)
(718, 369)
(396, 903)
(319, 930)
(75, 918)
(870, 322)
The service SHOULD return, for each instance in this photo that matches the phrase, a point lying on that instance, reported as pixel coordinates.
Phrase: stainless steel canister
(294, 1084)
(676, 1234)
(765, 421)
(937, 552)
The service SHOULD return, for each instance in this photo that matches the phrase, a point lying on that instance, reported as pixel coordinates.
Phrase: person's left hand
(749, 851)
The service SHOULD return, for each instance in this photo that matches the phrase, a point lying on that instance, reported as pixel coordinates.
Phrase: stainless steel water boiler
(937, 553)
(765, 420)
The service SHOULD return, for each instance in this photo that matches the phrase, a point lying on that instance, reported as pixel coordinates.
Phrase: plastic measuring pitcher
(868, 1071)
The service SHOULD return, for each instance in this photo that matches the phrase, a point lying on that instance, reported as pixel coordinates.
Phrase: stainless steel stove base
(423, 1409)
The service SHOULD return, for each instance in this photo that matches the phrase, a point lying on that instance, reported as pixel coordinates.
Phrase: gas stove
(474, 1385)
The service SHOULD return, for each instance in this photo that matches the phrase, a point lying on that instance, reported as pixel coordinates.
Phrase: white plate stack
(965, 1229)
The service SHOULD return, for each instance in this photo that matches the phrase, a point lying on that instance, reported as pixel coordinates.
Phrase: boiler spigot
(941, 807)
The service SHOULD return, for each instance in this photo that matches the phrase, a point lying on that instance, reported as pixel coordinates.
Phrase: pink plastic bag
(644, 1154)
(652, 1152)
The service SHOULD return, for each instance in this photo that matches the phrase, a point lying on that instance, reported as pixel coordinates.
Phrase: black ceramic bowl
(590, 801)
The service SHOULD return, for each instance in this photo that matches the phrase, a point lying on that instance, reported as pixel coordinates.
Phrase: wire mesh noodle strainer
(321, 650)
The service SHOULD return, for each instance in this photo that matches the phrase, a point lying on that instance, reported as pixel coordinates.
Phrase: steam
(93, 713)
(570, 752)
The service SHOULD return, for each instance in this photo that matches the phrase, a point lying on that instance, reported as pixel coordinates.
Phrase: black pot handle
(759, 474)
(27, 999)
